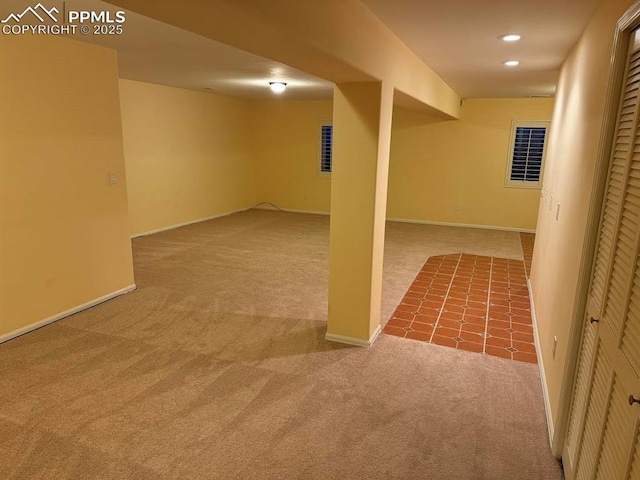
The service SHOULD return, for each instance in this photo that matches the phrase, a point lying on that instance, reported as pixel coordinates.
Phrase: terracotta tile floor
(474, 303)
(526, 240)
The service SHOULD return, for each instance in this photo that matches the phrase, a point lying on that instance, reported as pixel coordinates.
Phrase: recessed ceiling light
(510, 37)
(512, 63)
(277, 87)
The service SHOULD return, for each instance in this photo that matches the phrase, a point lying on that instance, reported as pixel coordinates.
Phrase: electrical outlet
(113, 178)
(458, 206)
(555, 344)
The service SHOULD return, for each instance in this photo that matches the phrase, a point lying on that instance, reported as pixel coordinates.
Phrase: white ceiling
(456, 38)
(154, 52)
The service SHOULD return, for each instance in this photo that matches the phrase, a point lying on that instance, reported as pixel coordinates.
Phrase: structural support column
(362, 115)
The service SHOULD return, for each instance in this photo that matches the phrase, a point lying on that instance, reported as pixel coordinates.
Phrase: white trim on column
(354, 341)
(59, 316)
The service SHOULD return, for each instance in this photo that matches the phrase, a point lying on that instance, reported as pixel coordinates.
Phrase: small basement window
(526, 154)
(326, 148)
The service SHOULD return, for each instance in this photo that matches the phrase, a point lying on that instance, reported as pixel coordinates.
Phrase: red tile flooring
(527, 240)
(474, 303)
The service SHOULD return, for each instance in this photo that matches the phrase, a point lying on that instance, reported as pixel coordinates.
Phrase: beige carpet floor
(217, 368)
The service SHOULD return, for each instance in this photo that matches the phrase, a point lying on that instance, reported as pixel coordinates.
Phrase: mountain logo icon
(39, 11)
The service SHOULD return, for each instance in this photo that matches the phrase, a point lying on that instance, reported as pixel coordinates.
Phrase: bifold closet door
(604, 426)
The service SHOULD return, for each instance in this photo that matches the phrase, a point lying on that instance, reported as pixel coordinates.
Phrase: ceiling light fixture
(277, 87)
(511, 63)
(510, 37)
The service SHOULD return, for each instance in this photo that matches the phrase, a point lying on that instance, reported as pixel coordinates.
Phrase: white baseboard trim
(291, 210)
(409, 220)
(354, 341)
(92, 303)
(184, 224)
(464, 225)
(543, 377)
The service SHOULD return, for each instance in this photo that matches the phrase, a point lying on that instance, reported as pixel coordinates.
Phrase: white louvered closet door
(603, 436)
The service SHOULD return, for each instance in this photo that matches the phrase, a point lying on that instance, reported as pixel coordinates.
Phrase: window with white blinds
(526, 154)
(326, 148)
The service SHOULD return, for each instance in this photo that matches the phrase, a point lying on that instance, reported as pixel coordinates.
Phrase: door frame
(626, 24)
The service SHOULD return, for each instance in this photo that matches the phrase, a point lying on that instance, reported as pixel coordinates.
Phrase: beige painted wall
(286, 139)
(431, 170)
(64, 237)
(568, 179)
(187, 155)
(438, 165)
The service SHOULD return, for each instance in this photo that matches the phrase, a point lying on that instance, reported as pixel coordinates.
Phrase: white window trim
(319, 172)
(507, 177)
